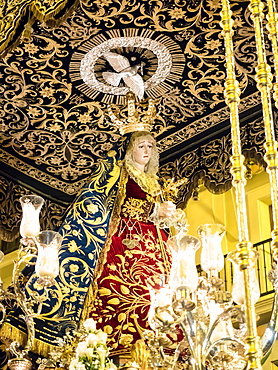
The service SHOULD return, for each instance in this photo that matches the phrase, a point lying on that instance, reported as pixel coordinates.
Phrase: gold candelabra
(39, 249)
(187, 303)
(189, 315)
(212, 323)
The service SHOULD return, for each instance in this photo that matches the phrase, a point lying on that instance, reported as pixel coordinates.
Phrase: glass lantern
(161, 298)
(30, 223)
(47, 265)
(183, 274)
(212, 259)
(238, 291)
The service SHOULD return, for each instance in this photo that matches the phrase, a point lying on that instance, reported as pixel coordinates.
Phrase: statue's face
(142, 151)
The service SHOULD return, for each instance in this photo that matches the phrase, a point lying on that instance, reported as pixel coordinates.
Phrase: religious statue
(135, 248)
(110, 247)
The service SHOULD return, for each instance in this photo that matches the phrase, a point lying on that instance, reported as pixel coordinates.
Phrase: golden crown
(134, 116)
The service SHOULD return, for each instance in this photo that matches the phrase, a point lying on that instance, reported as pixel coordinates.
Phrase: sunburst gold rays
(106, 98)
(127, 32)
(159, 90)
(114, 33)
(87, 90)
(95, 41)
(139, 44)
(147, 33)
(120, 100)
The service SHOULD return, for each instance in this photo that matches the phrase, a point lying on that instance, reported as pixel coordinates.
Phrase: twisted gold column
(244, 247)
(271, 144)
(272, 27)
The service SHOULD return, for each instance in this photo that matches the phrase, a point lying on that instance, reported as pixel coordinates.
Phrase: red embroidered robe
(122, 301)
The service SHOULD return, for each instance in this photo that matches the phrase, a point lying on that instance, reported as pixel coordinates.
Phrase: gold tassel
(14, 334)
(27, 32)
(10, 332)
(49, 17)
(42, 348)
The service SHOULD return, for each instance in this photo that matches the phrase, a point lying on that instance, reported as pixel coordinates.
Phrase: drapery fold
(16, 16)
(84, 232)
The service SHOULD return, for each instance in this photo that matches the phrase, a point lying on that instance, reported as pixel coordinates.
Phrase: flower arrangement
(91, 352)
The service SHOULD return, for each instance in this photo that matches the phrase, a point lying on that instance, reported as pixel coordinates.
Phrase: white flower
(89, 352)
(80, 366)
(92, 339)
(101, 351)
(101, 337)
(81, 349)
(90, 325)
(72, 364)
(76, 365)
(92, 352)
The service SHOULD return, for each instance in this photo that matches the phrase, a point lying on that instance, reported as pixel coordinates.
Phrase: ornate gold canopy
(54, 99)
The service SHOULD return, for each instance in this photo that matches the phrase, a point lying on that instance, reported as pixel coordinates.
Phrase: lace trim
(147, 183)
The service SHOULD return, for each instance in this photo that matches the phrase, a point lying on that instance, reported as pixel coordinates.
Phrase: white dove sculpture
(124, 71)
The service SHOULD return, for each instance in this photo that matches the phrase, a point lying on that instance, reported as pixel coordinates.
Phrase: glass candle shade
(211, 235)
(183, 271)
(30, 223)
(161, 296)
(238, 291)
(48, 244)
(224, 328)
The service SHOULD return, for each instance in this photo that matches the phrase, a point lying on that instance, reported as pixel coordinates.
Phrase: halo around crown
(134, 117)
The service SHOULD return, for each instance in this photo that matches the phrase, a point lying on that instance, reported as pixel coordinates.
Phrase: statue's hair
(152, 167)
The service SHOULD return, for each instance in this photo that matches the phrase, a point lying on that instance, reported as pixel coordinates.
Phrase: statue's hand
(167, 209)
(166, 215)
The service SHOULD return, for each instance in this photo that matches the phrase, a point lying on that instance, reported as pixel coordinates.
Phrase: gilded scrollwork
(215, 158)
(10, 212)
(107, 11)
(13, 16)
(75, 30)
(180, 106)
(51, 117)
(43, 177)
(39, 126)
(199, 126)
(211, 162)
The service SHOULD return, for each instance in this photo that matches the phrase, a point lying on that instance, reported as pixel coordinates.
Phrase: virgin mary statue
(110, 247)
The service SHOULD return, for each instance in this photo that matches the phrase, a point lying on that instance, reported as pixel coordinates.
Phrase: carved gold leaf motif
(51, 117)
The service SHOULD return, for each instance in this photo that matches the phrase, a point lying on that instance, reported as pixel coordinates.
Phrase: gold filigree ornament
(133, 117)
(129, 243)
(138, 209)
(140, 354)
